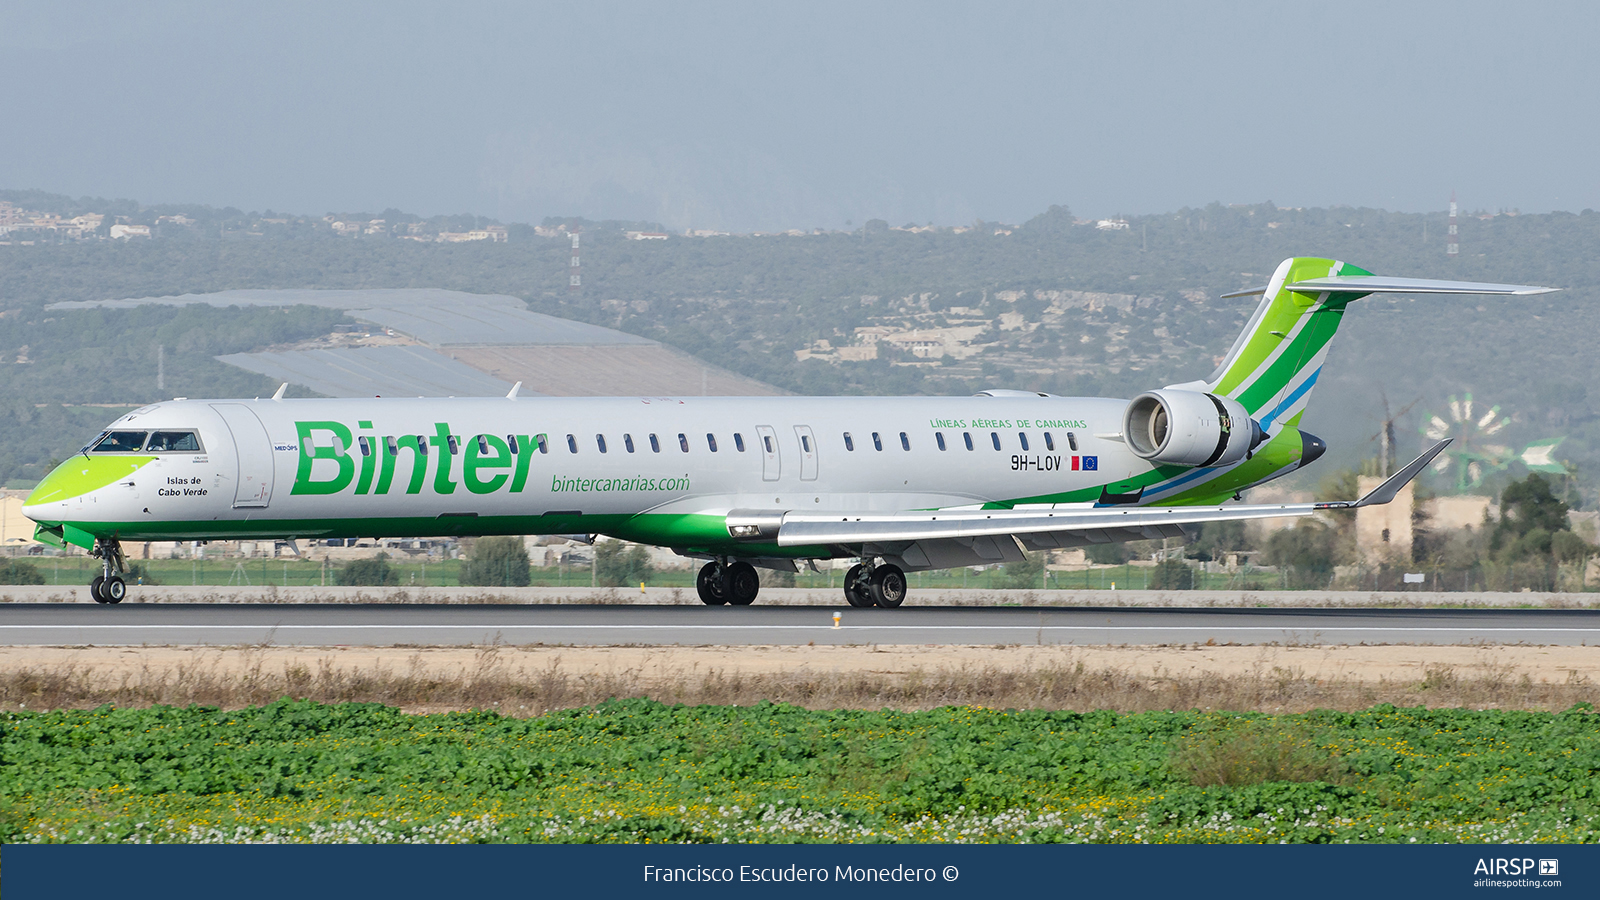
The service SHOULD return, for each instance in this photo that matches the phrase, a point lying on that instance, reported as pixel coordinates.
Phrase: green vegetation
(363, 572)
(641, 771)
(497, 562)
(1172, 574)
(618, 565)
(16, 571)
(66, 375)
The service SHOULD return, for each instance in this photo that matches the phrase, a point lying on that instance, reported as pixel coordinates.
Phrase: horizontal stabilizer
(1380, 284)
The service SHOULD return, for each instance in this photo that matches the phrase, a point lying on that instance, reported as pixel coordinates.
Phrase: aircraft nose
(1311, 448)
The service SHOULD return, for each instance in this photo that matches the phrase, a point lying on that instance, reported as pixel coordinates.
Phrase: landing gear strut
(856, 592)
(722, 582)
(108, 587)
(880, 585)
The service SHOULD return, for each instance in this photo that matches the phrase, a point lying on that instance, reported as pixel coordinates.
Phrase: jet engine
(1189, 428)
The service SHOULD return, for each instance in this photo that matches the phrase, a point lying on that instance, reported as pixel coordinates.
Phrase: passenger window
(572, 444)
(938, 438)
(738, 441)
(366, 448)
(1049, 442)
(394, 449)
(1023, 437)
(422, 444)
(849, 442)
(511, 441)
(967, 436)
(995, 437)
(600, 441)
(655, 445)
(683, 442)
(768, 442)
(173, 442)
(805, 442)
(711, 441)
(905, 442)
(877, 442)
(627, 441)
(1072, 441)
(544, 443)
(454, 447)
(483, 444)
(120, 442)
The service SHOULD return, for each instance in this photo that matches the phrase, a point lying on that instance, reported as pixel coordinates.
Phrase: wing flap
(800, 529)
(1044, 529)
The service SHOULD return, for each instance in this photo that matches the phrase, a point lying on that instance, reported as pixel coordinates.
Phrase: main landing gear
(108, 587)
(722, 582)
(881, 585)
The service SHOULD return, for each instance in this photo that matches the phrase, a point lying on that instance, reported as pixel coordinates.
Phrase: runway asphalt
(458, 625)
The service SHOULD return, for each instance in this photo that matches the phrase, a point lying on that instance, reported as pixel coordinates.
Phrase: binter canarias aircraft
(901, 484)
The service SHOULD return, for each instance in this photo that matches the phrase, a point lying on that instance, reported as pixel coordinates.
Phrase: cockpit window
(119, 442)
(173, 442)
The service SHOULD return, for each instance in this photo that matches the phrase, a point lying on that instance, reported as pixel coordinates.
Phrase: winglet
(1385, 492)
(278, 394)
(512, 394)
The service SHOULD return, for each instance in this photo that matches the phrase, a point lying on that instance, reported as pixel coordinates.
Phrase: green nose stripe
(82, 474)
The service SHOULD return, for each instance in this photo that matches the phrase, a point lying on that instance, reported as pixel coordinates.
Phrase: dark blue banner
(344, 872)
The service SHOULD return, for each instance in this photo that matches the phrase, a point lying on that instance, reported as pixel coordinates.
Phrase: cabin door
(253, 450)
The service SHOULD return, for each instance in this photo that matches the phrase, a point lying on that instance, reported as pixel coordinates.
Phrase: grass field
(641, 771)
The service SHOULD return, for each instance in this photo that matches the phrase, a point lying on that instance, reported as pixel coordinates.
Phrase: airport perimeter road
(383, 626)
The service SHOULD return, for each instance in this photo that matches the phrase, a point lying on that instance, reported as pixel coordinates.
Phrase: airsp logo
(1549, 867)
(1502, 866)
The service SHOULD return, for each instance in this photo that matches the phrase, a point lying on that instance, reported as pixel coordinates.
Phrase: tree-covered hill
(748, 302)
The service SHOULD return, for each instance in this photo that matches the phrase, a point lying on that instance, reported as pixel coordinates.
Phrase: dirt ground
(1334, 663)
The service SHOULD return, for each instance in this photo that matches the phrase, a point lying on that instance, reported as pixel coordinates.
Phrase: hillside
(1051, 304)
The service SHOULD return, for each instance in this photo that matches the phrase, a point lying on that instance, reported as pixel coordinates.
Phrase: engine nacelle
(1189, 428)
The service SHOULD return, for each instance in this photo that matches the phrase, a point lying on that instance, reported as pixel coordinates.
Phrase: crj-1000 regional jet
(899, 483)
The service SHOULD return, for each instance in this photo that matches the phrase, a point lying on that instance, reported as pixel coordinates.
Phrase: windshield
(119, 442)
(173, 441)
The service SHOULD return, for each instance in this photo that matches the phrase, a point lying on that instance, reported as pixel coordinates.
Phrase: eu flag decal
(1091, 463)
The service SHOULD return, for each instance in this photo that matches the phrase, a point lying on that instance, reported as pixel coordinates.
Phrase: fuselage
(663, 471)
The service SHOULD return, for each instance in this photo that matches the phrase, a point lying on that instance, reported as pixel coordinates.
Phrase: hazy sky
(764, 116)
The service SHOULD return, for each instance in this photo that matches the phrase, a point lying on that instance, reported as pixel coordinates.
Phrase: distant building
(647, 236)
(1112, 225)
(123, 232)
(1383, 531)
(495, 233)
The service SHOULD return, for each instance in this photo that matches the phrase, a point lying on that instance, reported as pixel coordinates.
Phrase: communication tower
(575, 272)
(1451, 247)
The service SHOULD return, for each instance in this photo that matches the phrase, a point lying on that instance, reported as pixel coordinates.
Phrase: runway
(459, 625)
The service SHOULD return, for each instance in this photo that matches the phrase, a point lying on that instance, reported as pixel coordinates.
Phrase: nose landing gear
(108, 587)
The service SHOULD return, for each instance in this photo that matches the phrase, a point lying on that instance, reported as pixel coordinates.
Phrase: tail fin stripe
(1289, 401)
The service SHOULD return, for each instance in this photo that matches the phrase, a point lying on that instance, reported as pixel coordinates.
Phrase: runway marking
(715, 627)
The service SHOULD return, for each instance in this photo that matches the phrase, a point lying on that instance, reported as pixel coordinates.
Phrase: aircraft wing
(1045, 527)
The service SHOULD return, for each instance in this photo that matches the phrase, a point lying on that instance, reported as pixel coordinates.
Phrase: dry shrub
(493, 680)
(1252, 751)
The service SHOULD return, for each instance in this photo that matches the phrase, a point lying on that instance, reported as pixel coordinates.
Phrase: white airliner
(899, 483)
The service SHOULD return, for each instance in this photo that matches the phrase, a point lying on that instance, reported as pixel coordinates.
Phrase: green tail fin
(1275, 362)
